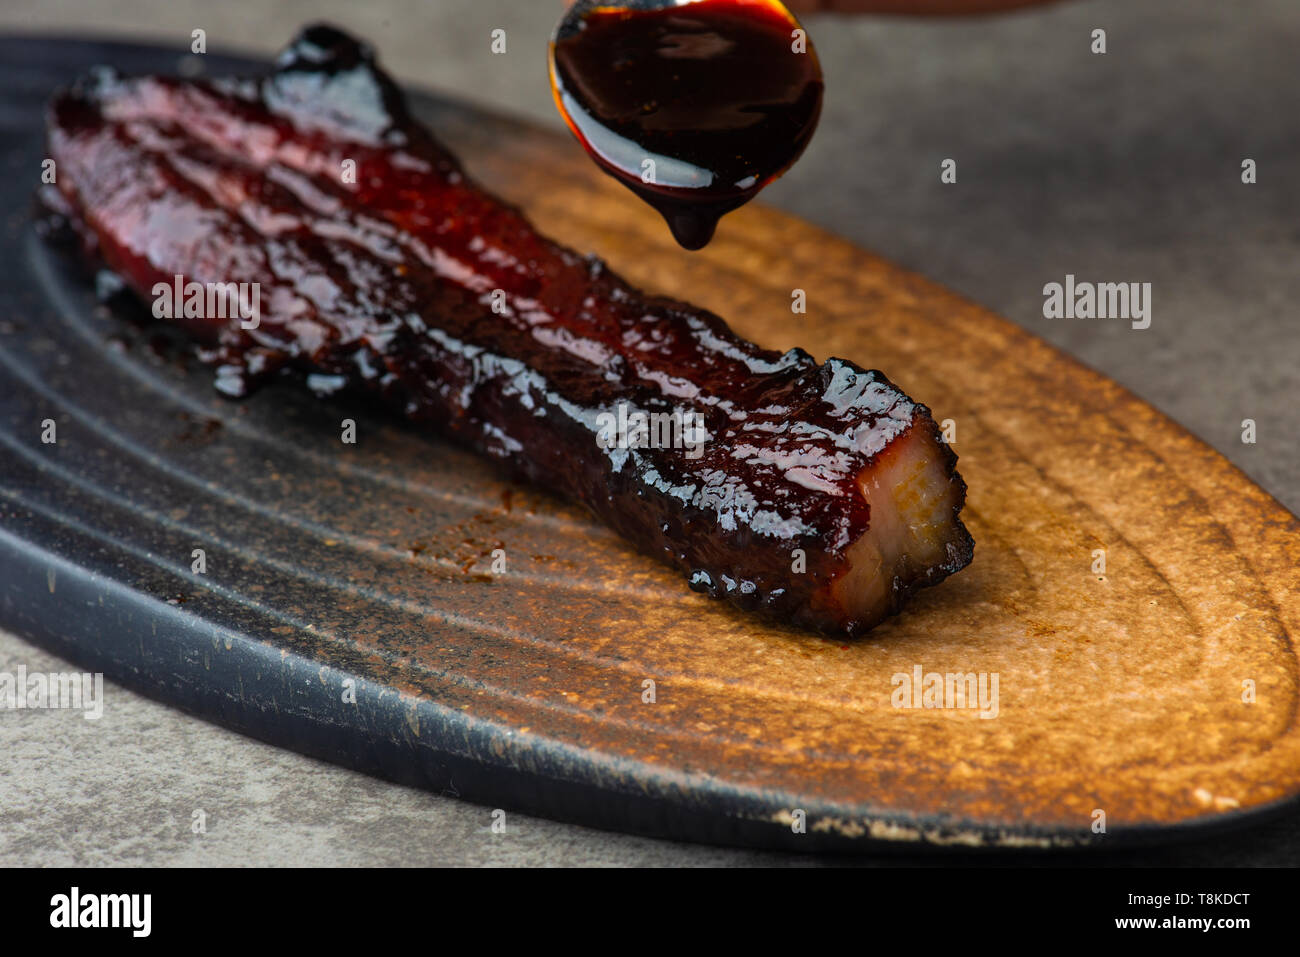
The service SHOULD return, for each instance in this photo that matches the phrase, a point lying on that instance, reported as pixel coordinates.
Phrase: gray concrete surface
(1122, 167)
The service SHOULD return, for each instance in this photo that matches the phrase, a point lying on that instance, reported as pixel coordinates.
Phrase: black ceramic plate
(344, 611)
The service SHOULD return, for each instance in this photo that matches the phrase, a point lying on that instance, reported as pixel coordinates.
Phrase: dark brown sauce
(708, 101)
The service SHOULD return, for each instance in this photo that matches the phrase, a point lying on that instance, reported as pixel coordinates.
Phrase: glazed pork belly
(816, 493)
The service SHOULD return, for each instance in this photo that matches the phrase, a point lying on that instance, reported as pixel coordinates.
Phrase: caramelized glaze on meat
(410, 282)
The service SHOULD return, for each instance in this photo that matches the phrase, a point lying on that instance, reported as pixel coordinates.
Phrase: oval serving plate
(1157, 697)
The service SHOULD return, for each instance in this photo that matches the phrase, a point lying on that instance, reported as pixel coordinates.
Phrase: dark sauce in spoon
(695, 108)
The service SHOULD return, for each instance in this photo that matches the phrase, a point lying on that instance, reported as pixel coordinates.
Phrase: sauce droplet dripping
(695, 108)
